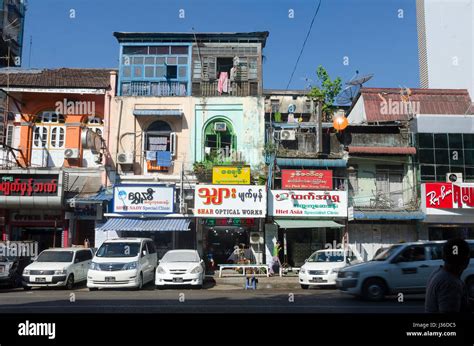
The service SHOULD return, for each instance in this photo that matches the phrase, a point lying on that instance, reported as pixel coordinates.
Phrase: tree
(326, 91)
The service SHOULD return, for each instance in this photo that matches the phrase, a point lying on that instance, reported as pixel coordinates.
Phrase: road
(207, 300)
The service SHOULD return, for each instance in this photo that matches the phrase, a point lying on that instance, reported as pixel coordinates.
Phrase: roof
(382, 150)
(431, 101)
(57, 78)
(283, 92)
(257, 36)
(134, 224)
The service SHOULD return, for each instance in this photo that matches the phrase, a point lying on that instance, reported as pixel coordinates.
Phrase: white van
(58, 267)
(123, 262)
(402, 268)
(320, 269)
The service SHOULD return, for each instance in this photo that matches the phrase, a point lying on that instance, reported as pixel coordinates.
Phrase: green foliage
(326, 91)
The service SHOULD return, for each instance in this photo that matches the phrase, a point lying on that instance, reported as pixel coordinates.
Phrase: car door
(86, 262)
(410, 270)
(145, 262)
(77, 267)
(434, 257)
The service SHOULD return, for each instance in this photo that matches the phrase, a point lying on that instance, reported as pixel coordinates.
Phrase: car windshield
(386, 253)
(178, 256)
(119, 250)
(55, 256)
(327, 256)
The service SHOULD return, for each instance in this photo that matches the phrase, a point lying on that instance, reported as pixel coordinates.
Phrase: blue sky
(368, 32)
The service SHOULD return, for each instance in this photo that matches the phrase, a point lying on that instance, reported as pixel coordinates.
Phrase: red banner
(306, 179)
(439, 195)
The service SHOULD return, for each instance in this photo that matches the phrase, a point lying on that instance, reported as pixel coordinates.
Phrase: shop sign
(448, 195)
(306, 179)
(231, 175)
(29, 185)
(228, 222)
(301, 203)
(230, 201)
(142, 199)
(88, 212)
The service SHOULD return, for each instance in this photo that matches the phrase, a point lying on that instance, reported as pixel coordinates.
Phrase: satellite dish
(348, 94)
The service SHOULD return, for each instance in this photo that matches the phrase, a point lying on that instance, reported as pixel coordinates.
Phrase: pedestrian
(445, 292)
(276, 264)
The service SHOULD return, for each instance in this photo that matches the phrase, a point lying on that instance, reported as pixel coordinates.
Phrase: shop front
(31, 202)
(449, 210)
(229, 216)
(148, 211)
(305, 221)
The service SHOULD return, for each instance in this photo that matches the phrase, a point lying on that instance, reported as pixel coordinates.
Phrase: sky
(369, 36)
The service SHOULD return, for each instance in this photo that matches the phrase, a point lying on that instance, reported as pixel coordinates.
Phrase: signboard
(143, 199)
(229, 222)
(216, 201)
(301, 203)
(448, 195)
(350, 214)
(231, 175)
(306, 179)
(29, 184)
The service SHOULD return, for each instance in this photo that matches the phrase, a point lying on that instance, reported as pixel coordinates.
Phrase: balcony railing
(210, 89)
(154, 89)
(382, 201)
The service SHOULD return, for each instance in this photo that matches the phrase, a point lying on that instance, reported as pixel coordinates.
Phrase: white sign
(298, 203)
(350, 214)
(246, 201)
(142, 199)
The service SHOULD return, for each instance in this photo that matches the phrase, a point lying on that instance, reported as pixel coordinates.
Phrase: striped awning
(146, 225)
(159, 112)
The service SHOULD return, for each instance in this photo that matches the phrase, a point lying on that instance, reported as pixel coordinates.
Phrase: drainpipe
(118, 140)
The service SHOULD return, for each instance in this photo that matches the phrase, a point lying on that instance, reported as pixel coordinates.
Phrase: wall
(357, 114)
(247, 117)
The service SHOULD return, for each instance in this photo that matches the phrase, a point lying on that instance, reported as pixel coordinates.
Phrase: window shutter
(242, 70)
(253, 68)
(209, 68)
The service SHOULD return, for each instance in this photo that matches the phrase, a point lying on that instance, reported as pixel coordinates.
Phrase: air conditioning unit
(454, 177)
(287, 135)
(125, 158)
(221, 127)
(256, 238)
(71, 153)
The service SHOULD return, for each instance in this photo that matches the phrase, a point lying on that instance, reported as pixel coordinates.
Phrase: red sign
(13, 186)
(439, 195)
(306, 179)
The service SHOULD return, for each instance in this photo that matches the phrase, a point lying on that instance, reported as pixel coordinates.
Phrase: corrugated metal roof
(56, 78)
(147, 225)
(382, 150)
(158, 112)
(430, 101)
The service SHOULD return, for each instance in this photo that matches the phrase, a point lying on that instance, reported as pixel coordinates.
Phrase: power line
(304, 44)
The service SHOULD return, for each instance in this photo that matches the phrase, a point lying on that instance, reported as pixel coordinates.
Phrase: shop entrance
(222, 239)
(45, 237)
(446, 233)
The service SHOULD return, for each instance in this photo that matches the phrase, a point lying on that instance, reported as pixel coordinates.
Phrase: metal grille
(317, 272)
(111, 266)
(41, 272)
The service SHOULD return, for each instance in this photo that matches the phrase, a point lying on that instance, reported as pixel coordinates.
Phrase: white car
(123, 262)
(321, 268)
(58, 267)
(180, 267)
(402, 268)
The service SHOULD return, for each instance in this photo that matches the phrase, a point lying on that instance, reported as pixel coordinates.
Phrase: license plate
(317, 280)
(177, 279)
(109, 279)
(40, 279)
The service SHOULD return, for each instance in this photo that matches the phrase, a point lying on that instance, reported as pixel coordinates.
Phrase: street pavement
(213, 298)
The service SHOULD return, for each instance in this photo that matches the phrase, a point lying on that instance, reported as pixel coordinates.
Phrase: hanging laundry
(223, 84)
(163, 158)
(151, 155)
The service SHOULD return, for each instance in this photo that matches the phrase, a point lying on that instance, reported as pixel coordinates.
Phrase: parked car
(180, 267)
(123, 262)
(58, 267)
(321, 268)
(11, 268)
(402, 268)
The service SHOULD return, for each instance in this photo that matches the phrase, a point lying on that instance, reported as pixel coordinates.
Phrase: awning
(290, 223)
(389, 215)
(159, 112)
(382, 150)
(311, 162)
(146, 225)
(101, 196)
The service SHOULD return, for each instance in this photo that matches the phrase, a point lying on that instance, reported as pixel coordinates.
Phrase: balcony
(154, 89)
(389, 201)
(210, 89)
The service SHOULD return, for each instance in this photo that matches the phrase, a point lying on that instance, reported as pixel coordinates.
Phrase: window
(275, 105)
(413, 254)
(218, 141)
(57, 137)
(435, 251)
(40, 137)
(151, 247)
(9, 140)
(159, 146)
(171, 71)
(389, 186)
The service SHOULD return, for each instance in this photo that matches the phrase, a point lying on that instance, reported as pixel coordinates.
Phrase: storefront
(449, 210)
(305, 221)
(147, 210)
(32, 209)
(230, 215)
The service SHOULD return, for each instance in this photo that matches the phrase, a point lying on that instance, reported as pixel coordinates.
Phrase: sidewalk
(238, 282)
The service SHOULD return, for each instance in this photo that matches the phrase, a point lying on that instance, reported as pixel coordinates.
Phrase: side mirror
(143, 253)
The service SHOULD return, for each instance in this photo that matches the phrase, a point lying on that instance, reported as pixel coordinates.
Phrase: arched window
(219, 135)
(40, 137)
(160, 144)
(49, 131)
(96, 124)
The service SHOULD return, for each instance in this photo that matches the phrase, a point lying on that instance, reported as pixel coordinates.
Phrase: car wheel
(374, 290)
(92, 289)
(27, 288)
(69, 282)
(140, 282)
(305, 287)
(470, 287)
